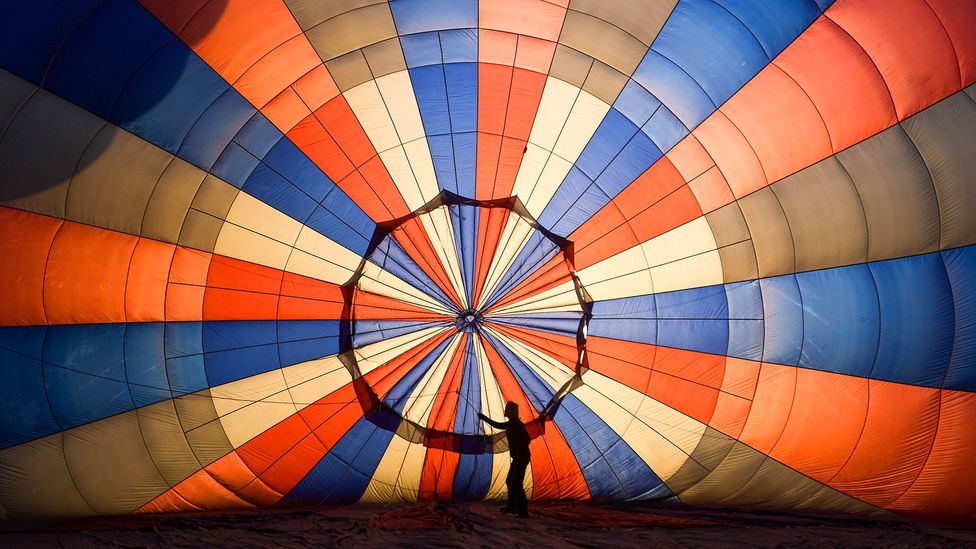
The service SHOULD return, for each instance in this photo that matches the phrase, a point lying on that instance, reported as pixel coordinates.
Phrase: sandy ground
(481, 525)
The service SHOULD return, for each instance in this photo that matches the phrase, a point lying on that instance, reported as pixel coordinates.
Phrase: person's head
(511, 410)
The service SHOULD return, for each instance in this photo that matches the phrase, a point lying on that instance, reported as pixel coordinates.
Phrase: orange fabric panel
(538, 18)
(550, 275)
(293, 308)
(385, 377)
(377, 307)
(842, 82)
(27, 240)
(491, 223)
(231, 472)
(780, 123)
(622, 361)
(689, 398)
(312, 138)
(437, 475)
(957, 18)
(203, 491)
(826, 419)
(443, 410)
(184, 303)
(226, 272)
(316, 87)
(730, 414)
(145, 289)
(486, 171)
(880, 27)
(190, 267)
(898, 433)
(286, 110)
(689, 157)
(701, 368)
(732, 153)
(168, 502)
(509, 161)
(770, 407)
(674, 210)
(85, 277)
(495, 47)
(174, 15)
(413, 237)
(287, 471)
(337, 117)
(535, 55)
(560, 347)
(240, 290)
(741, 377)
(946, 488)
(711, 190)
(374, 172)
(187, 281)
(278, 69)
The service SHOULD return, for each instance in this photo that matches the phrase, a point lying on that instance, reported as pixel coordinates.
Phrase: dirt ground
(481, 525)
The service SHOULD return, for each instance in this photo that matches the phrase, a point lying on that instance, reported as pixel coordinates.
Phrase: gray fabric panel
(35, 482)
(111, 466)
(170, 201)
(199, 421)
(570, 65)
(215, 197)
(349, 70)
(945, 135)
(309, 13)
(604, 82)
(641, 18)
(825, 216)
(739, 262)
(40, 151)
(352, 30)
(770, 232)
(727, 224)
(615, 47)
(14, 94)
(115, 178)
(385, 57)
(200, 231)
(711, 450)
(899, 200)
(167, 443)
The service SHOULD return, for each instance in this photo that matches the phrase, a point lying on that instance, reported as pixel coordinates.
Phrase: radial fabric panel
(284, 252)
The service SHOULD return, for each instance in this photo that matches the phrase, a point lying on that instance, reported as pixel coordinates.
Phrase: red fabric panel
(491, 223)
(413, 237)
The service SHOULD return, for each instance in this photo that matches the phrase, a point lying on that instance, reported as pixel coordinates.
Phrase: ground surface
(481, 525)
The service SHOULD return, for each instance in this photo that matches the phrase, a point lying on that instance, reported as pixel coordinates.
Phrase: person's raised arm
(493, 423)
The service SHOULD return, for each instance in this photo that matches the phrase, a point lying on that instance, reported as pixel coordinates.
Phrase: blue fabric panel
(464, 220)
(960, 265)
(614, 132)
(638, 155)
(164, 116)
(473, 477)
(390, 256)
(292, 164)
(462, 94)
(400, 393)
(783, 317)
(460, 45)
(546, 323)
(469, 400)
(234, 334)
(26, 47)
(664, 129)
(643, 306)
(535, 388)
(413, 16)
(269, 187)
(442, 154)
(372, 331)
(712, 46)
(536, 252)
(610, 466)
(705, 335)
(465, 155)
(564, 199)
(84, 373)
(258, 136)
(238, 349)
(840, 320)
(234, 165)
(184, 357)
(430, 88)
(145, 362)
(636, 103)
(706, 302)
(23, 399)
(340, 222)
(642, 330)
(215, 129)
(745, 324)
(917, 320)
(345, 471)
(586, 206)
(421, 49)
(774, 24)
(674, 88)
(304, 340)
(91, 69)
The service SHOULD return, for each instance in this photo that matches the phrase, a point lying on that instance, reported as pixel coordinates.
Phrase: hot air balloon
(263, 253)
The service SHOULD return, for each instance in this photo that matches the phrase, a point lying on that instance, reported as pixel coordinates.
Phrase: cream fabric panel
(397, 477)
(387, 109)
(559, 298)
(564, 123)
(420, 401)
(438, 226)
(377, 354)
(380, 281)
(515, 235)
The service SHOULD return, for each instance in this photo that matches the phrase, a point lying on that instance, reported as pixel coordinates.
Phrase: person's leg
(510, 506)
(521, 501)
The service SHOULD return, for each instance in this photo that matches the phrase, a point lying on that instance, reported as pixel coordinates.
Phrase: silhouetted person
(518, 447)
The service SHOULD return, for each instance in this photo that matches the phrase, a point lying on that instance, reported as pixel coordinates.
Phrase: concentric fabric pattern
(278, 252)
